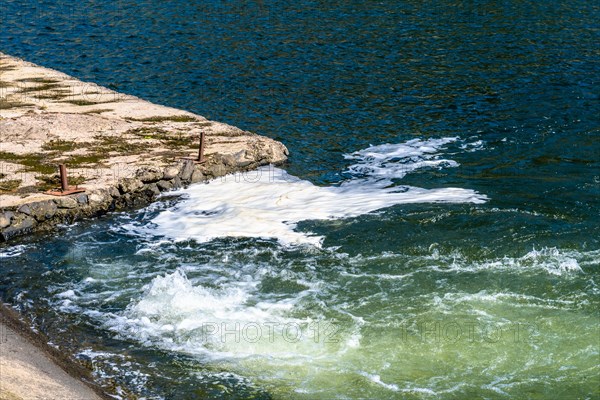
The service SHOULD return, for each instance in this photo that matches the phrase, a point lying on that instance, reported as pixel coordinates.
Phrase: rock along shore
(123, 150)
(32, 369)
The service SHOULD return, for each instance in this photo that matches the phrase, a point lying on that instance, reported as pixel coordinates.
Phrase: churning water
(434, 235)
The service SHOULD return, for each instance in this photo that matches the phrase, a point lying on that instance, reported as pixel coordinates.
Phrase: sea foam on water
(269, 203)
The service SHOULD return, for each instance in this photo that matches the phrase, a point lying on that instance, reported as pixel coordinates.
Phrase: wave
(224, 323)
(313, 327)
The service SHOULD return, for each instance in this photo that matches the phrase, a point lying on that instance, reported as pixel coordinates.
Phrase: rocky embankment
(133, 192)
(123, 150)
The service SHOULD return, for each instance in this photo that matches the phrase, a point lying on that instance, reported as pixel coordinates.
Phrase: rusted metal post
(64, 182)
(200, 158)
(201, 148)
(65, 190)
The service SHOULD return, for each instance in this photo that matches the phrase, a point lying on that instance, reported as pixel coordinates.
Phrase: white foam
(560, 262)
(225, 323)
(374, 378)
(377, 380)
(553, 261)
(269, 203)
(13, 251)
(67, 294)
(397, 160)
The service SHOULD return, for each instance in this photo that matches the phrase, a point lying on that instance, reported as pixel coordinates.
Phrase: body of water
(435, 233)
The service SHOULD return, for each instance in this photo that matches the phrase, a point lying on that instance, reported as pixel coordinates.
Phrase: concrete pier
(124, 151)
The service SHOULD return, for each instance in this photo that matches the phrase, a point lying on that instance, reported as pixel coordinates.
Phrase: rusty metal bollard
(64, 182)
(201, 149)
(65, 189)
(200, 159)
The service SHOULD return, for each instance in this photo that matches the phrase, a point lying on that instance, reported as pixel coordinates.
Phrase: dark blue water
(521, 79)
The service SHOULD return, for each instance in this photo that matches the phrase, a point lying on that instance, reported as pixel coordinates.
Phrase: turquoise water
(434, 234)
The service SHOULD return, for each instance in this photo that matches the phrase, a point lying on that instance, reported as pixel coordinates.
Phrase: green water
(241, 318)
